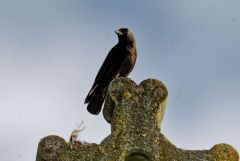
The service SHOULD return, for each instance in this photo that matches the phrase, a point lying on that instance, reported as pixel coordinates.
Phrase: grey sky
(50, 52)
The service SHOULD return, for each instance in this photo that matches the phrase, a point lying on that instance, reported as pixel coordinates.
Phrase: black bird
(118, 63)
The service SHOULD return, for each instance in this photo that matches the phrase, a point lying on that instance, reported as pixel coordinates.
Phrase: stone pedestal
(135, 113)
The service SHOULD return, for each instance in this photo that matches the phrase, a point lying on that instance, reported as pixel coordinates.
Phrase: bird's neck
(128, 43)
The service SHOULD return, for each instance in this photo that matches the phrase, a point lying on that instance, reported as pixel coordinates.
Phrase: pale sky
(51, 51)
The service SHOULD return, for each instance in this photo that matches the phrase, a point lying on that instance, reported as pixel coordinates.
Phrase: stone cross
(135, 113)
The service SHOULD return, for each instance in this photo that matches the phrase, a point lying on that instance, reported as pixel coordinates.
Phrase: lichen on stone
(135, 113)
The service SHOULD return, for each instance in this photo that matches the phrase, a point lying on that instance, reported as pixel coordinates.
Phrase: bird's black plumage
(118, 63)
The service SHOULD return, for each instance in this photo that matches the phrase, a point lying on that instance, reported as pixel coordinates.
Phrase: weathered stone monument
(135, 113)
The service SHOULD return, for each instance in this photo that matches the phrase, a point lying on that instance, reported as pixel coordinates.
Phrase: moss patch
(135, 113)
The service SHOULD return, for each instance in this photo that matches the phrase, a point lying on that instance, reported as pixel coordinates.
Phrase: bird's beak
(118, 32)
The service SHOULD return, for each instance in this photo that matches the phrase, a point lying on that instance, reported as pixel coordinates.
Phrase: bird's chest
(128, 62)
(130, 55)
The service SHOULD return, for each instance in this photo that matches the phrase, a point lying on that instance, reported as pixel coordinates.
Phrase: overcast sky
(51, 51)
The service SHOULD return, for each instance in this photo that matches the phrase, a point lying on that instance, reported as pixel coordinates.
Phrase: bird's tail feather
(90, 93)
(95, 100)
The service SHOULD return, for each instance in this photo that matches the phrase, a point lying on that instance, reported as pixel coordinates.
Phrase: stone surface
(135, 113)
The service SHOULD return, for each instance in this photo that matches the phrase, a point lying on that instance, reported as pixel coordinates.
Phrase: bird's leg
(116, 76)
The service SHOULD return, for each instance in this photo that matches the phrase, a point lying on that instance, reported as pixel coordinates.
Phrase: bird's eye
(125, 31)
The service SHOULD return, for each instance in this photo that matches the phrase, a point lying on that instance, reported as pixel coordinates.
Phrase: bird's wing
(107, 72)
(110, 66)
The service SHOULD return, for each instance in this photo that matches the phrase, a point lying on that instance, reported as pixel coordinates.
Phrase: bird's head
(124, 35)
